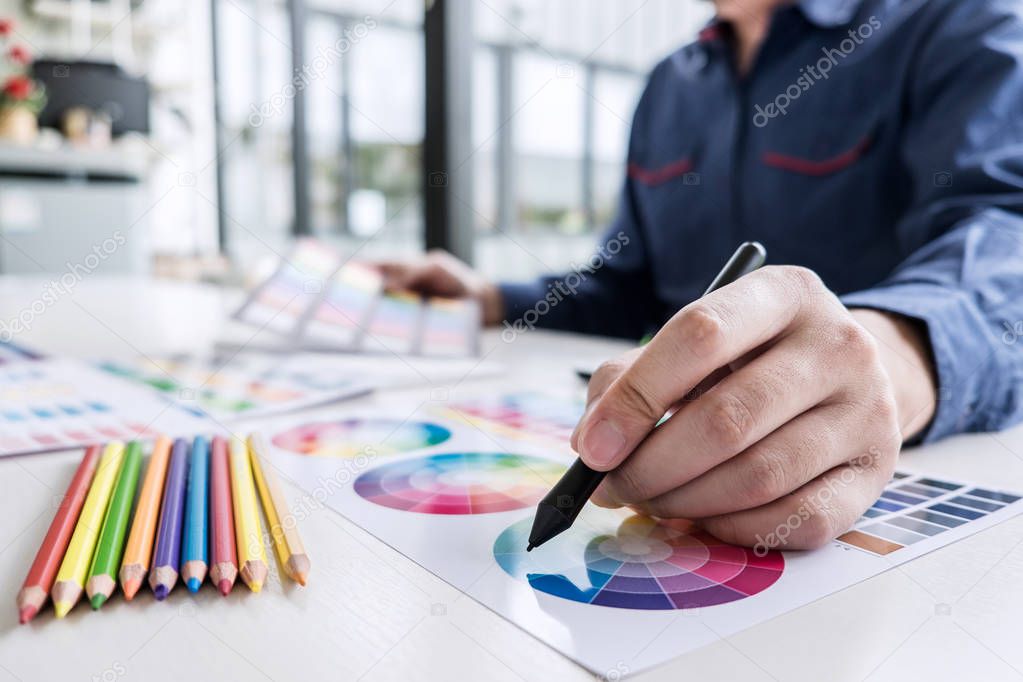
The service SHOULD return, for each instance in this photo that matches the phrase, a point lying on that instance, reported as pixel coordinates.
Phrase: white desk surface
(371, 614)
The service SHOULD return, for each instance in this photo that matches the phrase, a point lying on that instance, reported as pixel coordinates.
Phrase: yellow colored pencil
(75, 567)
(139, 549)
(287, 543)
(247, 528)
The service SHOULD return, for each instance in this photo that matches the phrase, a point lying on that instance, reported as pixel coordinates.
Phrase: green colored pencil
(103, 574)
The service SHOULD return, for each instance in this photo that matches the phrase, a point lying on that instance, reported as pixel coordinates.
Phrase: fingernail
(602, 443)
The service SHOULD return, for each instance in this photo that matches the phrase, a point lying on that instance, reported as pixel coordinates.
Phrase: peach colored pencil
(139, 549)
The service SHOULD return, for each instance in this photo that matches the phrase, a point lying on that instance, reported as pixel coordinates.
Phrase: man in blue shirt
(876, 148)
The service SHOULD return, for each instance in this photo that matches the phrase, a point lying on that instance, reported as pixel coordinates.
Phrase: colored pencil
(248, 530)
(290, 550)
(139, 550)
(103, 574)
(224, 556)
(163, 574)
(193, 549)
(44, 569)
(73, 570)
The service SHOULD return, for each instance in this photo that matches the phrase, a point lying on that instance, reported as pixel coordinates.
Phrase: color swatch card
(319, 301)
(55, 404)
(243, 385)
(617, 592)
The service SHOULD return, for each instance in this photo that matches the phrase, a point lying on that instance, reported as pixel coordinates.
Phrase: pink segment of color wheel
(460, 483)
(606, 559)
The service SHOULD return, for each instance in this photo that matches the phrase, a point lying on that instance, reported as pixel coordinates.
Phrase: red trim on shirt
(655, 176)
(826, 167)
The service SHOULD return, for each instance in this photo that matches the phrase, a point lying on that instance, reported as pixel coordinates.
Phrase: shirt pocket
(827, 152)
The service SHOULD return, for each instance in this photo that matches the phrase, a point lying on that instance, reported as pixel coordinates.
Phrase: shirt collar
(829, 13)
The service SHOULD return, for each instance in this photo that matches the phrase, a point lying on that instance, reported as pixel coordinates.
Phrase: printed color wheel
(636, 563)
(460, 483)
(353, 437)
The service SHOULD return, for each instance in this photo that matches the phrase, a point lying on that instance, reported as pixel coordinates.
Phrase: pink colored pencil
(223, 553)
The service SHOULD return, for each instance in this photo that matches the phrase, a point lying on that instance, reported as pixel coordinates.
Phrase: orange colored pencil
(139, 549)
(44, 569)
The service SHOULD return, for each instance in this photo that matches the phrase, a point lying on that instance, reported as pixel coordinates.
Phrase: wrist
(491, 304)
(906, 356)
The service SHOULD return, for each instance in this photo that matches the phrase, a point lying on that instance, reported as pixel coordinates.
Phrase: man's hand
(441, 274)
(784, 412)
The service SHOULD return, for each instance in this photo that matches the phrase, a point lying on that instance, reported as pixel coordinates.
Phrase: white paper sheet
(405, 476)
(53, 404)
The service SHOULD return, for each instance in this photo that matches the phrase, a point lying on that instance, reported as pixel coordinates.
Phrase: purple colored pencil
(164, 572)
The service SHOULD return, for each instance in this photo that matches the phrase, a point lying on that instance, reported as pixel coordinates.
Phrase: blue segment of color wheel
(609, 558)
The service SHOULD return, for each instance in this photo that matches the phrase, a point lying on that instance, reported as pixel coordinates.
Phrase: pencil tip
(161, 592)
(129, 588)
(27, 613)
(529, 547)
(193, 584)
(97, 600)
(224, 586)
(61, 608)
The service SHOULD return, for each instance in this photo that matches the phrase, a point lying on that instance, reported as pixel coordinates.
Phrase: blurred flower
(19, 54)
(6, 27)
(19, 87)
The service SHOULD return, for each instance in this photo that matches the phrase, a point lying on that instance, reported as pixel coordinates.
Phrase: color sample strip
(902, 518)
(872, 544)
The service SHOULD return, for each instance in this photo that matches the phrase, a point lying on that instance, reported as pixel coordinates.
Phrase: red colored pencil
(223, 553)
(44, 569)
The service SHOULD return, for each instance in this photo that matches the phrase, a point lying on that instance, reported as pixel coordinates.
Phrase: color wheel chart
(349, 438)
(637, 563)
(521, 415)
(913, 508)
(460, 483)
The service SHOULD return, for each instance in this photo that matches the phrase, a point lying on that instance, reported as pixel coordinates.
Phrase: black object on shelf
(98, 86)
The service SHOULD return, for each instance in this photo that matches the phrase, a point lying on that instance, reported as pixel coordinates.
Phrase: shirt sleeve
(963, 146)
(612, 293)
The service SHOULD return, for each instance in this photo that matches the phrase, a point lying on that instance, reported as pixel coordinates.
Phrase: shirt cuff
(518, 298)
(957, 343)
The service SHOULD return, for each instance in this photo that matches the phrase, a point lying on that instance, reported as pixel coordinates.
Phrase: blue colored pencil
(164, 572)
(193, 549)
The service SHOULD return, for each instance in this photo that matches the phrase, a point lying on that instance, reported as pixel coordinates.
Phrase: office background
(494, 128)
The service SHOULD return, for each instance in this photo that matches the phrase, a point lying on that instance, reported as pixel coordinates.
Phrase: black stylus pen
(557, 510)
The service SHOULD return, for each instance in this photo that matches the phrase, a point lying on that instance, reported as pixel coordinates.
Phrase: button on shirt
(877, 142)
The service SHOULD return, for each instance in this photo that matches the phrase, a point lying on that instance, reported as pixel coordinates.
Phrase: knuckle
(633, 399)
(627, 486)
(819, 528)
(728, 421)
(764, 478)
(603, 377)
(804, 279)
(856, 342)
(700, 330)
